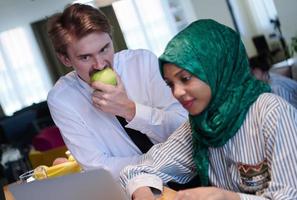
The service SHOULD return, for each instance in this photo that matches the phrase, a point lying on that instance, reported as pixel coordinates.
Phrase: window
(262, 12)
(149, 24)
(257, 13)
(23, 76)
(88, 2)
(146, 24)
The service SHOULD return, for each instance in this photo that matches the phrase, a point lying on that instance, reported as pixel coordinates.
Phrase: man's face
(92, 52)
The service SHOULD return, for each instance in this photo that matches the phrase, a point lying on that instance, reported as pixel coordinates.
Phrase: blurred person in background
(280, 85)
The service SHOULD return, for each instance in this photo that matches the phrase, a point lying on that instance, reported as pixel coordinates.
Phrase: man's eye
(105, 49)
(186, 78)
(84, 58)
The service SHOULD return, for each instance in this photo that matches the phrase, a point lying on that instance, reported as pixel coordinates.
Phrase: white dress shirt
(265, 143)
(96, 139)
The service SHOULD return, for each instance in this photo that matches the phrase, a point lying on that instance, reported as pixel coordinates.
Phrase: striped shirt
(259, 162)
(284, 87)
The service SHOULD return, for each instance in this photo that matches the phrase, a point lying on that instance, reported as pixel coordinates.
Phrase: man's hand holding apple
(112, 98)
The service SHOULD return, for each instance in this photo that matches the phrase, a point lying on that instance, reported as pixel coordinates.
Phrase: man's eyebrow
(105, 46)
(83, 55)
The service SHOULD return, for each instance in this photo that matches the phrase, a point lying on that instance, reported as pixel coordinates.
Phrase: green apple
(106, 76)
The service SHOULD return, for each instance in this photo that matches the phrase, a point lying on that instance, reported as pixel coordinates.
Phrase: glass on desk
(36, 174)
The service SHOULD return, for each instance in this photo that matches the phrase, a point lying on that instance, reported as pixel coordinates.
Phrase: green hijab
(215, 54)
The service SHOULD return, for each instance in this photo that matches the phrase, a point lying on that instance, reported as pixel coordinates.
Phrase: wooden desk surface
(7, 193)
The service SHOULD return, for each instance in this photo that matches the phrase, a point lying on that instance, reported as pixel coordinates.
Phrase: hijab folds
(215, 54)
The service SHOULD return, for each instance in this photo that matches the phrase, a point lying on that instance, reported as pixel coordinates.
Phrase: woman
(239, 140)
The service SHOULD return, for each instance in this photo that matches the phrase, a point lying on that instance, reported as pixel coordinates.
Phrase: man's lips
(187, 104)
(92, 72)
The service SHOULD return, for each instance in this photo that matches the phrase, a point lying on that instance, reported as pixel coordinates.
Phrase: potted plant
(293, 46)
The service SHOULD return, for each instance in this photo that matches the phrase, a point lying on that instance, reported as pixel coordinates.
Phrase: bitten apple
(106, 76)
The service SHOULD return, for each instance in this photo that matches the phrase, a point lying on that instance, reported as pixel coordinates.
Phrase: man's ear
(64, 59)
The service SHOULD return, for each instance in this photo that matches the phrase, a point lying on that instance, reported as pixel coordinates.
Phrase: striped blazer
(259, 162)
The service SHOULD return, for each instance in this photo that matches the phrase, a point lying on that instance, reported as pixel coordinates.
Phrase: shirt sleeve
(280, 128)
(165, 114)
(171, 160)
(81, 144)
(284, 87)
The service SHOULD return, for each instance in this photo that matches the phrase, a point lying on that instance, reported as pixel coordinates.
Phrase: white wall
(213, 9)
(15, 13)
(245, 25)
(287, 12)
(219, 11)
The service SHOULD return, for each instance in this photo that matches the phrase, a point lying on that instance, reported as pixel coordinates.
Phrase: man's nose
(99, 63)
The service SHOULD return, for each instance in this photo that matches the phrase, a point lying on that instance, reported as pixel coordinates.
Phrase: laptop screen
(91, 185)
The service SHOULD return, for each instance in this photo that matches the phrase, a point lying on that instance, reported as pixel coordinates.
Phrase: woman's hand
(206, 193)
(143, 193)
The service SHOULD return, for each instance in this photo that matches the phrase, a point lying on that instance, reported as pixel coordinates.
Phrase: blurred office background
(29, 68)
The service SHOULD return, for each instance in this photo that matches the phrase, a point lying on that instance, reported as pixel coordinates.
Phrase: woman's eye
(186, 78)
(169, 84)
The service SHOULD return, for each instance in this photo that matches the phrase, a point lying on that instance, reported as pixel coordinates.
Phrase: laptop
(91, 185)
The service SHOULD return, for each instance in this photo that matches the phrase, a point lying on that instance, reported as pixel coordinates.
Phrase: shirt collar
(83, 84)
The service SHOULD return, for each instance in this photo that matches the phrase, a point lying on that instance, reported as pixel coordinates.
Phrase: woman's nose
(178, 91)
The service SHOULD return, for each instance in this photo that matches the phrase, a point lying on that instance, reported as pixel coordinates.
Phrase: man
(280, 85)
(86, 113)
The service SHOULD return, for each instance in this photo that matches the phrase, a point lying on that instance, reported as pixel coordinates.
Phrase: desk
(168, 194)
(7, 193)
(285, 63)
(286, 68)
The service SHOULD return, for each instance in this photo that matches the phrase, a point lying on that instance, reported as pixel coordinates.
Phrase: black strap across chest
(140, 140)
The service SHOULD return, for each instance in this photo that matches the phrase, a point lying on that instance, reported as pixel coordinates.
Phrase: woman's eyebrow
(180, 72)
(176, 74)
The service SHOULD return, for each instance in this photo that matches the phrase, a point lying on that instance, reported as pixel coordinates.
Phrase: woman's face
(190, 91)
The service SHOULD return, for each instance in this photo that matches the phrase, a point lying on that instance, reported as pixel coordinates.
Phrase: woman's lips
(187, 104)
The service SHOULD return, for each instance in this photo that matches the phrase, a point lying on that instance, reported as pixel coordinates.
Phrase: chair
(48, 145)
(17, 129)
(48, 138)
(38, 158)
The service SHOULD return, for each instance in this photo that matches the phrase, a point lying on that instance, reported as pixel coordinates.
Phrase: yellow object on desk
(62, 169)
(68, 167)
(38, 158)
